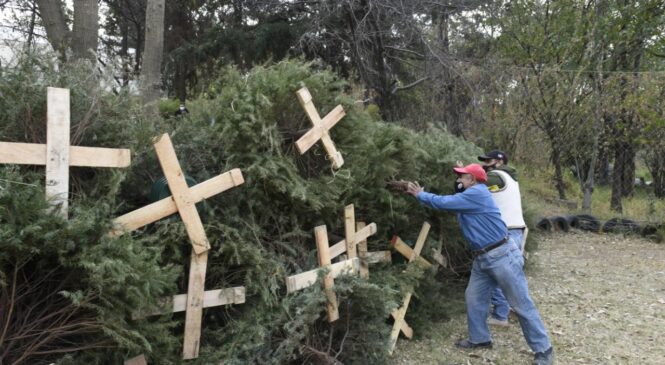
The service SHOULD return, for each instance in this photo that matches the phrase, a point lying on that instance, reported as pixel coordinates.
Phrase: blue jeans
(502, 267)
(501, 309)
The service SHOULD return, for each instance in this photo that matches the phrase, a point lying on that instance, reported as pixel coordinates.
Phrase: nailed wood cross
(57, 154)
(182, 201)
(355, 234)
(398, 314)
(320, 128)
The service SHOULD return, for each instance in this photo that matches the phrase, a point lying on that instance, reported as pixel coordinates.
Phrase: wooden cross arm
(165, 207)
(35, 154)
(304, 143)
(374, 257)
(309, 278)
(403, 326)
(407, 252)
(361, 235)
(211, 298)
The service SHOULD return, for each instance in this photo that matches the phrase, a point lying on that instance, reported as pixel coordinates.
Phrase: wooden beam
(420, 242)
(194, 309)
(57, 148)
(181, 194)
(350, 231)
(308, 278)
(211, 298)
(407, 252)
(375, 257)
(362, 253)
(340, 247)
(320, 128)
(165, 207)
(399, 319)
(138, 360)
(321, 235)
(35, 154)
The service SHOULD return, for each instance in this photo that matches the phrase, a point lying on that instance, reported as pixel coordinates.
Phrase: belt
(488, 248)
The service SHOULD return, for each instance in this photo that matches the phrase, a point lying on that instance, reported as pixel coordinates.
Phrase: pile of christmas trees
(67, 287)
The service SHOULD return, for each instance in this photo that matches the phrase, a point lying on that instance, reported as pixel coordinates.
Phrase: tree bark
(86, 27)
(57, 32)
(151, 69)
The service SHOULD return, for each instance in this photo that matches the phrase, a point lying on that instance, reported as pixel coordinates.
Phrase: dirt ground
(602, 298)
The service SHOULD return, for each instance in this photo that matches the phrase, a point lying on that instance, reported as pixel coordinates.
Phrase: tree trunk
(151, 69)
(558, 172)
(86, 27)
(53, 18)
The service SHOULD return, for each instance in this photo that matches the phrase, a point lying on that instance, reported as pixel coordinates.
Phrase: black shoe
(468, 345)
(544, 358)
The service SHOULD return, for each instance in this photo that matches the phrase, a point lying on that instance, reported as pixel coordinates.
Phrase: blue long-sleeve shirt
(477, 214)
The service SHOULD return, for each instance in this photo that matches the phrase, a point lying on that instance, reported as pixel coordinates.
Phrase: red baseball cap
(474, 170)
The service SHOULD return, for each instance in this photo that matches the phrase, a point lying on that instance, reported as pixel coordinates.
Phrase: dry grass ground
(602, 298)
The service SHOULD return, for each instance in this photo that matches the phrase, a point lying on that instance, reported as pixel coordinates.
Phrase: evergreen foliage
(260, 232)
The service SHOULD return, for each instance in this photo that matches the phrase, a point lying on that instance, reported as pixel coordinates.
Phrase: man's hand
(413, 188)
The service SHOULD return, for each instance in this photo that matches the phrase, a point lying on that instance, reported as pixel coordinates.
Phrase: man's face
(490, 164)
(467, 180)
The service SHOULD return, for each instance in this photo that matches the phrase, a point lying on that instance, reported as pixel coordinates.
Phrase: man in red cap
(497, 262)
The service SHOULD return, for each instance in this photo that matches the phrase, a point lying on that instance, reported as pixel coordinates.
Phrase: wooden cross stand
(326, 253)
(320, 128)
(57, 154)
(400, 324)
(183, 202)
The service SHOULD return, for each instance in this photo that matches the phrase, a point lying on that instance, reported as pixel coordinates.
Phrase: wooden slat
(399, 318)
(181, 194)
(340, 247)
(194, 309)
(404, 327)
(165, 207)
(57, 148)
(308, 278)
(350, 231)
(407, 252)
(375, 257)
(35, 154)
(420, 242)
(211, 298)
(333, 155)
(307, 140)
(321, 235)
(138, 360)
(439, 258)
(362, 253)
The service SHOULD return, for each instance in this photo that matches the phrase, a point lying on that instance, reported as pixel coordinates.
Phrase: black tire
(545, 225)
(621, 225)
(588, 222)
(649, 230)
(573, 221)
(560, 223)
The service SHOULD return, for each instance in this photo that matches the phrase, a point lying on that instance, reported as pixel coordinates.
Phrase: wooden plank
(350, 230)
(404, 327)
(439, 258)
(397, 326)
(181, 194)
(138, 360)
(211, 298)
(375, 257)
(407, 252)
(194, 309)
(308, 278)
(35, 154)
(321, 235)
(333, 155)
(57, 148)
(420, 242)
(165, 207)
(362, 253)
(340, 247)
